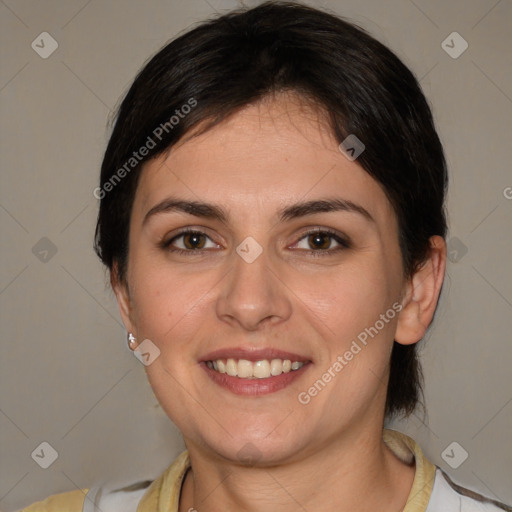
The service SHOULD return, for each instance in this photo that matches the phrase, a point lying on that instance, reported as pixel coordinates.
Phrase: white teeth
(262, 369)
(231, 367)
(276, 367)
(244, 368)
(221, 367)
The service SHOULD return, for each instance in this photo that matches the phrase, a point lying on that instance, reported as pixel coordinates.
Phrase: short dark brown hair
(238, 59)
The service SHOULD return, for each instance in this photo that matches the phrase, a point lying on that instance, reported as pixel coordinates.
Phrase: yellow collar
(163, 494)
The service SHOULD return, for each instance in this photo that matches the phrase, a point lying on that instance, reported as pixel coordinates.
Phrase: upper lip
(253, 354)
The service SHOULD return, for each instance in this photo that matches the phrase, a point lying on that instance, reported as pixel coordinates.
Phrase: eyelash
(344, 244)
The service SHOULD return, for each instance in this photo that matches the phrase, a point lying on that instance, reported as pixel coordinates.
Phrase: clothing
(432, 490)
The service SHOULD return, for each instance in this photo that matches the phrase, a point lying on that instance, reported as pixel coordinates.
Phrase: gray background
(66, 375)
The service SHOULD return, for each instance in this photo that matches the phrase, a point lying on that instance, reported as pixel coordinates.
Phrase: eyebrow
(297, 210)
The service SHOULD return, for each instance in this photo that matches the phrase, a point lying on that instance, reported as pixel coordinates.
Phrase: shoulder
(143, 496)
(126, 499)
(88, 500)
(448, 496)
(70, 501)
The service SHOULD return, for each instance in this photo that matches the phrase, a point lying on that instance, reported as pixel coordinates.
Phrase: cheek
(356, 319)
(348, 299)
(346, 306)
(167, 302)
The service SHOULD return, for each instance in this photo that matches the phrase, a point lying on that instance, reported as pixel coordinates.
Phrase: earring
(131, 341)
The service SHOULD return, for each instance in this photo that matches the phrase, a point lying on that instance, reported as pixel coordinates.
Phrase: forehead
(267, 155)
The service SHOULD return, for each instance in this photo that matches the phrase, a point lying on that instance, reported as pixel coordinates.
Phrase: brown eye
(319, 241)
(189, 242)
(322, 242)
(193, 240)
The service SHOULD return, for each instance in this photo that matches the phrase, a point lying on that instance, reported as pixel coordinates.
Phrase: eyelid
(342, 240)
(166, 242)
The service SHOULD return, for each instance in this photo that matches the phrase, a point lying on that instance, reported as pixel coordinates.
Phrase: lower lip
(254, 387)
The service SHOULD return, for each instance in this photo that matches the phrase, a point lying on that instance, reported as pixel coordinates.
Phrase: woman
(272, 217)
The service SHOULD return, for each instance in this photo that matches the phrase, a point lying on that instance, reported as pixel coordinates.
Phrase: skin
(326, 455)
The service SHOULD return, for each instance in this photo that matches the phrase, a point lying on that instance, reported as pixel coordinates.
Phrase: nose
(253, 295)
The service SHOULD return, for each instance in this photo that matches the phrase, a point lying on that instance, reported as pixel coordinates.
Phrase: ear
(123, 299)
(421, 295)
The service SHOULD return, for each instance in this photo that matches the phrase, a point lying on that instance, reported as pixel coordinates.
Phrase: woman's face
(258, 285)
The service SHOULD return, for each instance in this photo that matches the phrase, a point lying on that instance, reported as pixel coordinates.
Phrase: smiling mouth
(262, 369)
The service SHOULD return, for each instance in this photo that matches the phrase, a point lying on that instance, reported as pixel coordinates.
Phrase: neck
(355, 473)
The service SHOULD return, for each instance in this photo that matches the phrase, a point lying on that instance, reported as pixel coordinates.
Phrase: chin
(255, 448)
